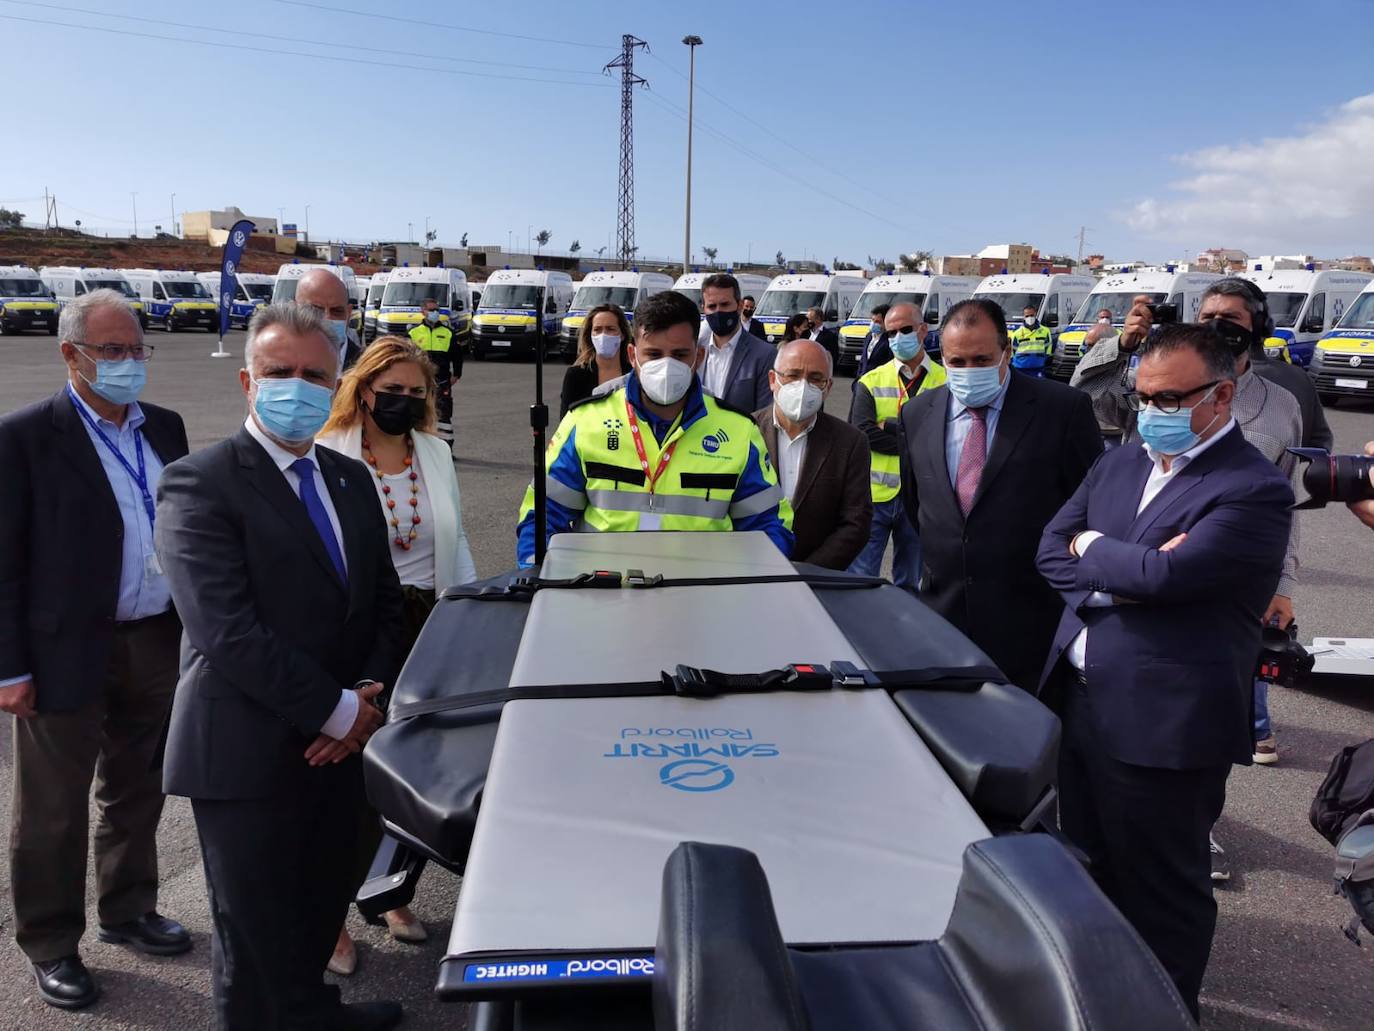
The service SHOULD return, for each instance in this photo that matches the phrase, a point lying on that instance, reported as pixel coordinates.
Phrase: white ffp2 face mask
(800, 400)
(665, 380)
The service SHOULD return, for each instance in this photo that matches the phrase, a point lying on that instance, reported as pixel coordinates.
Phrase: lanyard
(139, 476)
(904, 389)
(664, 457)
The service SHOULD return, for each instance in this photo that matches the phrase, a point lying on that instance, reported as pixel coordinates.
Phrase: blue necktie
(314, 508)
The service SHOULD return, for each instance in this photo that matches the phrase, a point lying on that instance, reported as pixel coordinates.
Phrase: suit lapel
(270, 482)
(1018, 409)
(79, 452)
(1185, 480)
(818, 444)
(154, 430)
(936, 437)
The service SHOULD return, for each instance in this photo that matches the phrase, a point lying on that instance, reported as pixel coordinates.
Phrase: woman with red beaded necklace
(384, 415)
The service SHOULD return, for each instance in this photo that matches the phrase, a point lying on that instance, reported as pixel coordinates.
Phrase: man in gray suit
(737, 363)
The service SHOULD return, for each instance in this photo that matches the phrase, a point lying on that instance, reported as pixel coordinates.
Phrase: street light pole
(174, 214)
(133, 199)
(307, 225)
(692, 43)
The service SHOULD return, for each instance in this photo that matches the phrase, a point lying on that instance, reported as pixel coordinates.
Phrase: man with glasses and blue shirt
(88, 648)
(1166, 558)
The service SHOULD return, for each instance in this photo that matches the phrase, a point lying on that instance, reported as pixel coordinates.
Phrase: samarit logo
(553, 969)
(698, 757)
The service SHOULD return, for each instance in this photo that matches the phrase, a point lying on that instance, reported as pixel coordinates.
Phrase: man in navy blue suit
(1166, 557)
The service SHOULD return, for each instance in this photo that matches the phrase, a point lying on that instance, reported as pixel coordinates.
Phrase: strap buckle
(636, 578)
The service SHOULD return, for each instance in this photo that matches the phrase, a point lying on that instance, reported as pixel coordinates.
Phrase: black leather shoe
(65, 983)
(150, 933)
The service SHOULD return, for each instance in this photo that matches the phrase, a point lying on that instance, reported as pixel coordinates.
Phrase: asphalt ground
(1279, 960)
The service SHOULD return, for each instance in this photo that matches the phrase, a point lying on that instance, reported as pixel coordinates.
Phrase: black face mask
(723, 323)
(1236, 336)
(396, 414)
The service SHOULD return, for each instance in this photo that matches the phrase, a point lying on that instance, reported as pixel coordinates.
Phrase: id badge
(152, 568)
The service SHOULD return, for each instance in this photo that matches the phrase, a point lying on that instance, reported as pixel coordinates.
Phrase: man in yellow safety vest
(436, 340)
(1031, 343)
(657, 453)
(878, 399)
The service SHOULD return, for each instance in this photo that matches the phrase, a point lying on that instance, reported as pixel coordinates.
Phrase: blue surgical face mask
(292, 410)
(976, 387)
(1170, 433)
(904, 345)
(119, 382)
(338, 332)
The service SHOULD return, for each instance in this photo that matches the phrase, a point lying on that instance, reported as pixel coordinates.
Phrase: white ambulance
(177, 300)
(625, 289)
(513, 300)
(933, 296)
(68, 283)
(792, 294)
(1305, 303)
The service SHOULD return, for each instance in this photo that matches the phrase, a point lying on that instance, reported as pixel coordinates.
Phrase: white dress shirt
(1157, 480)
(346, 711)
(791, 455)
(718, 360)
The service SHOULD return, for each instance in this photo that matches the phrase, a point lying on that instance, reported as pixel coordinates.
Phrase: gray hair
(71, 324)
(297, 319)
(782, 349)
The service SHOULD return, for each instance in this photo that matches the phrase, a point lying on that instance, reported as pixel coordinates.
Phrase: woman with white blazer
(383, 415)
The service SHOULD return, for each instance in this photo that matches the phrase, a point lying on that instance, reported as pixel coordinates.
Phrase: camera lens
(1339, 478)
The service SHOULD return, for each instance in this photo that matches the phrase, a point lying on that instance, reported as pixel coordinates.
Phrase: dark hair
(664, 311)
(1261, 322)
(1209, 345)
(586, 354)
(721, 281)
(793, 329)
(746, 297)
(880, 311)
(973, 310)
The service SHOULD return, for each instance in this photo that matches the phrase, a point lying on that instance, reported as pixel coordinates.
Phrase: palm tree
(543, 237)
(710, 253)
(574, 247)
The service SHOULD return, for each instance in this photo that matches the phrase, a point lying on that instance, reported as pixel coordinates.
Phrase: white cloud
(1312, 192)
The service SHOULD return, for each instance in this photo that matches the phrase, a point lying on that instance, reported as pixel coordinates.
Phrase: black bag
(1346, 793)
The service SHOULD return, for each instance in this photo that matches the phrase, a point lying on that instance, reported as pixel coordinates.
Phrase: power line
(294, 39)
(298, 53)
(443, 25)
(780, 138)
(677, 112)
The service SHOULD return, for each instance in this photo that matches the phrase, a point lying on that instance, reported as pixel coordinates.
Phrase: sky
(822, 129)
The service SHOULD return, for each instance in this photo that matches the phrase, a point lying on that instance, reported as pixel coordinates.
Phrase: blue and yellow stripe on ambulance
(11, 304)
(854, 331)
(1073, 335)
(1345, 341)
(773, 327)
(572, 321)
(521, 318)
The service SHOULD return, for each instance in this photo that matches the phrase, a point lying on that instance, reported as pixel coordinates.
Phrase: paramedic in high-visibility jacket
(656, 453)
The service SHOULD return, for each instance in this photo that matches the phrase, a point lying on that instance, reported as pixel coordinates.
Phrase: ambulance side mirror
(1050, 321)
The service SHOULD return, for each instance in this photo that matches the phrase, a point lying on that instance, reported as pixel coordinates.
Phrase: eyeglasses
(816, 379)
(903, 329)
(1167, 401)
(118, 352)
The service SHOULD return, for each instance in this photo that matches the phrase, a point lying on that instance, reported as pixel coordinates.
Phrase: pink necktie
(972, 459)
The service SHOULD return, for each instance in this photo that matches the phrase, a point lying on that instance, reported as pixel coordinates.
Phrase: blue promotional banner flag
(228, 272)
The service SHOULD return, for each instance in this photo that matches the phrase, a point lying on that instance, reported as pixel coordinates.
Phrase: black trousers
(1145, 830)
(280, 874)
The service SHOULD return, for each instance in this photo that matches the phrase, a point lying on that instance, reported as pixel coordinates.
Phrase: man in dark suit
(823, 334)
(737, 363)
(822, 461)
(88, 645)
(276, 552)
(1166, 557)
(747, 320)
(875, 349)
(986, 465)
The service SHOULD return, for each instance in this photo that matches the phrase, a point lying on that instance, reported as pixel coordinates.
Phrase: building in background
(197, 225)
(1014, 257)
(1354, 263)
(1274, 262)
(1221, 259)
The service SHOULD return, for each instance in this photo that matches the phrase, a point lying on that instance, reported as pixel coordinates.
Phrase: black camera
(1328, 477)
(1163, 314)
(1282, 657)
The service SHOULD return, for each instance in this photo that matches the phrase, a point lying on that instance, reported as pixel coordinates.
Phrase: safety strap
(522, 588)
(692, 682)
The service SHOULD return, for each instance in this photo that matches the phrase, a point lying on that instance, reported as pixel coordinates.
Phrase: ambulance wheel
(169, 325)
(4, 329)
(52, 329)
